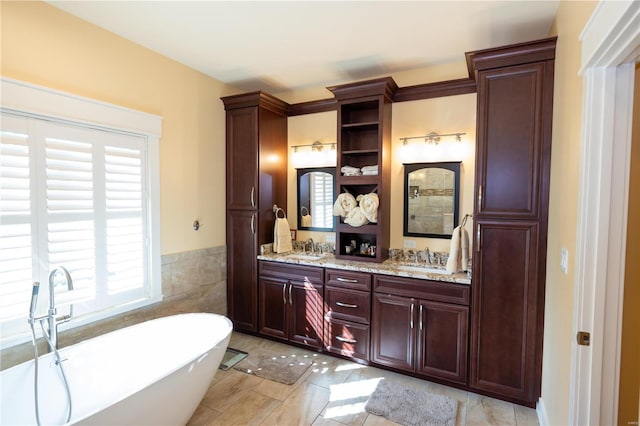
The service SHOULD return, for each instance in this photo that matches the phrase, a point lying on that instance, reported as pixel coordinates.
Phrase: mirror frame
(302, 172)
(454, 166)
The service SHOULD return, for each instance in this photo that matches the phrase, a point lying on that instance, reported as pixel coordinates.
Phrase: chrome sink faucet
(312, 244)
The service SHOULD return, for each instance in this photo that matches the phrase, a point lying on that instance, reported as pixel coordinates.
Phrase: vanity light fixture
(433, 137)
(314, 155)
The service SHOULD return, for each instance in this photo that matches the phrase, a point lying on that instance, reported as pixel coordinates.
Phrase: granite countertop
(388, 267)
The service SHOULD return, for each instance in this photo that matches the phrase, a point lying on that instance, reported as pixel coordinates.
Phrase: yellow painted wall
(563, 207)
(444, 115)
(45, 46)
(630, 357)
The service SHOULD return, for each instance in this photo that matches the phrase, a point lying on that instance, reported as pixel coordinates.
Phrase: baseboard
(541, 411)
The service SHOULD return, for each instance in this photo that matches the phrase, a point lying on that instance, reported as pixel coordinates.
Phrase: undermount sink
(305, 256)
(423, 269)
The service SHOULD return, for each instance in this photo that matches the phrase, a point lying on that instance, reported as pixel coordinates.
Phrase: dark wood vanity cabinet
(256, 159)
(421, 327)
(347, 300)
(291, 303)
(513, 150)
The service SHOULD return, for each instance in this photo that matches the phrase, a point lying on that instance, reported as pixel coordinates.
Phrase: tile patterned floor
(331, 393)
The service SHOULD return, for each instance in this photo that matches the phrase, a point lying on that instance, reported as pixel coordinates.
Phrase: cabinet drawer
(348, 304)
(422, 289)
(347, 339)
(348, 279)
(287, 271)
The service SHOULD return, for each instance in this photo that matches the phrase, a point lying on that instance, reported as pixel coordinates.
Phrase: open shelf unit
(364, 139)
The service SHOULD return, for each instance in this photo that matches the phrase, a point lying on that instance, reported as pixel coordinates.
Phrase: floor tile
(251, 408)
(203, 416)
(482, 410)
(526, 416)
(225, 393)
(301, 408)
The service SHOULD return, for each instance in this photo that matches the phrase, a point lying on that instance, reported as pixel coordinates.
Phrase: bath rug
(411, 407)
(283, 368)
(231, 357)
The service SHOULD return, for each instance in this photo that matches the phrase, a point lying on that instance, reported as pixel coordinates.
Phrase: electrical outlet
(409, 243)
(564, 259)
(330, 238)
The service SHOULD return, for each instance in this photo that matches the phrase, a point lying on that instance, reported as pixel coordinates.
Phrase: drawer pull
(346, 305)
(346, 340)
(346, 280)
(284, 297)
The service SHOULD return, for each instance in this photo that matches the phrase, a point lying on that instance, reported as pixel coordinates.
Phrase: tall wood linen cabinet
(513, 156)
(256, 161)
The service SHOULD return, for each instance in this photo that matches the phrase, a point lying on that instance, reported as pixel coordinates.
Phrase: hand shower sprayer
(34, 299)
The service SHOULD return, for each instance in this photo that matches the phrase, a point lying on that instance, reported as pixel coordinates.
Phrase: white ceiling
(290, 45)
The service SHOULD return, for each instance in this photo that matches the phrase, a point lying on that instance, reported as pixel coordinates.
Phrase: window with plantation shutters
(322, 195)
(74, 195)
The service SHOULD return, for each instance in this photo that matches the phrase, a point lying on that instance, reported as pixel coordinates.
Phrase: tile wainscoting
(193, 281)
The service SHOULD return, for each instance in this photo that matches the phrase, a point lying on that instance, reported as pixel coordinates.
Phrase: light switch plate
(409, 243)
(564, 259)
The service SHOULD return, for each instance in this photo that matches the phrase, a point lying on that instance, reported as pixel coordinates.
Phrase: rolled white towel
(369, 205)
(344, 204)
(356, 217)
(370, 169)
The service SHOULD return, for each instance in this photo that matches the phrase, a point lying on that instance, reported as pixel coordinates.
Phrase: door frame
(610, 48)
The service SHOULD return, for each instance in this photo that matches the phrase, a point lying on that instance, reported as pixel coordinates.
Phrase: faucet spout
(53, 320)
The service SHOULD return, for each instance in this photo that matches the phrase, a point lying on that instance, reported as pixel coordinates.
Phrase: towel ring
(283, 213)
(302, 212)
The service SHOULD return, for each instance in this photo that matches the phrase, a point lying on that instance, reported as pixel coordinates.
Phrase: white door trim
(610, 46)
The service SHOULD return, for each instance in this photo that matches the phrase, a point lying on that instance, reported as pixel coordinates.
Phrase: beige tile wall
(193, 281)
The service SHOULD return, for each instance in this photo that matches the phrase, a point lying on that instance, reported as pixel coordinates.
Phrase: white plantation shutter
(322, 196)
(76, 197)
(15, 217)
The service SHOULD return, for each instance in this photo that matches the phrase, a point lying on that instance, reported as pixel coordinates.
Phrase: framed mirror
(431, 199)
(315, 198)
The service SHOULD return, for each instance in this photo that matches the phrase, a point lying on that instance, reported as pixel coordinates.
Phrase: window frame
(29, 100)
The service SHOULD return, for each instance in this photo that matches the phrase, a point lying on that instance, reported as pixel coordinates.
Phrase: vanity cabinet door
(507, 310)
(242, 158)
(241, 269)
(511, 165)
(274, 301)
(393, 331)
(442, 341)
(306, 313)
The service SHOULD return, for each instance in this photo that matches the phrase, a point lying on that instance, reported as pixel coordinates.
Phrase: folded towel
(458, 251)
(371, 173)
(282, 235)
(350, 171)
(373, 168)
(344, 204)
(369, 206)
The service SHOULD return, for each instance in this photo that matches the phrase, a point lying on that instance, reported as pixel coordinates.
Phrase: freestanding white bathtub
(153, 373)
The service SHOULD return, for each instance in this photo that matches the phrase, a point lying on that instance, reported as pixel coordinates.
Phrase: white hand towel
(282, 235)
(458, 251)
